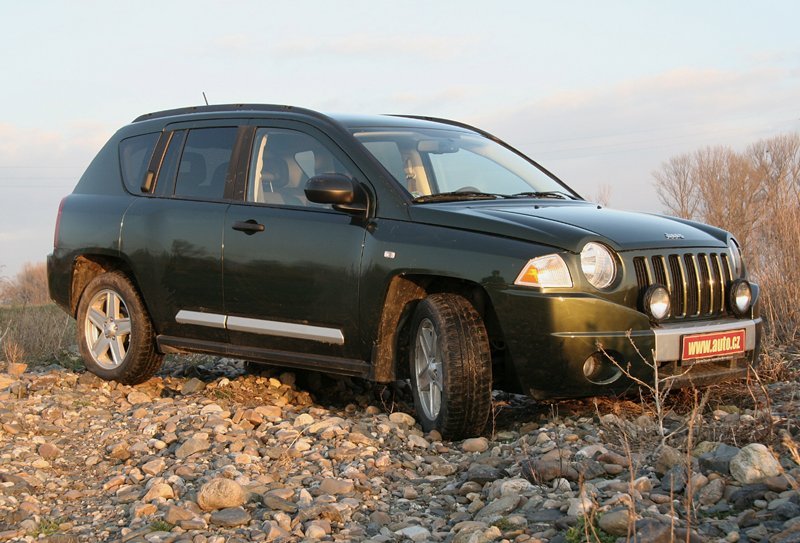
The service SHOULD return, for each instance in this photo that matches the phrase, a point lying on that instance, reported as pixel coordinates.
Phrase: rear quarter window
(134, 156)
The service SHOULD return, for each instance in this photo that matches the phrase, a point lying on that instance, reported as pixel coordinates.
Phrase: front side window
(134, 156)
(282, 161)
(204, 162)
(429, 162)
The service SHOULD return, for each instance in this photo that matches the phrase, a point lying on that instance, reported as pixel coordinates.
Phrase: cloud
(619, 134)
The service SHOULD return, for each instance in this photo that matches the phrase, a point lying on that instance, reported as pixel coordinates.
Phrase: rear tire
(115, 334)
(451, 367)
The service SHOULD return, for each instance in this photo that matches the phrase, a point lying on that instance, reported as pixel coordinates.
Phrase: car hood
(569, 225)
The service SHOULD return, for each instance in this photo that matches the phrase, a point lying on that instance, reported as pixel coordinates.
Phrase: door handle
(249, 227)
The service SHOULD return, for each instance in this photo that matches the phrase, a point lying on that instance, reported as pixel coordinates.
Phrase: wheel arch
(403, 294)
(88, 266)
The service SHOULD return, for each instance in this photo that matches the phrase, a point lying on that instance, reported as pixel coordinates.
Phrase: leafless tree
(603, 194)
(729, 190)
(676, 187)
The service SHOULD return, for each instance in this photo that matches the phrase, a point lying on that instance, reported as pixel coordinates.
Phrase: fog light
(600, 369)
(740, 297)
(656, 302)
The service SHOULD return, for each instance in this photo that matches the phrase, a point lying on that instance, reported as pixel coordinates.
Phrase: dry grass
(774, 266)
(35, 334)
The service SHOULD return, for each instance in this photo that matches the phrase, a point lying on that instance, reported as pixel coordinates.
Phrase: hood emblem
(673, 236)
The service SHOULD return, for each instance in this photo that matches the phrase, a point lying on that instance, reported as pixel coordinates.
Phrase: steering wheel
(469, 188)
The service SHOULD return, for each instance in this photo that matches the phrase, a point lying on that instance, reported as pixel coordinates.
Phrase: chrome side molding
(264, 327)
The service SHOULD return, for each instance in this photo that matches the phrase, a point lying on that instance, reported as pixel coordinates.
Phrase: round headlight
(598, 265)
(741, 297)
(736, 257)
(656, 302)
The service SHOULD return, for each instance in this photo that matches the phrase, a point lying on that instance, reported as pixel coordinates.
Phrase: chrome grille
(696, 281)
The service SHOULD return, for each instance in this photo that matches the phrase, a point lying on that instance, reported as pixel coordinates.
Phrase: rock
(580, 506)
(336, 486)
(320, 511)
(175, 515)
(414, 533)
(380, 518)
(498, 507)
(674, 480)
(192, 386)
(211, 409)
(746, 496)
(514, 486)
(538, 471)
(667, 458)
(418, 441)
(220, 493)
(120, 451)
(786, 511)
(48, 451)
(654, 531)
(275, 503)
(192, 446)
(303, 420)
(712, 492)
(481, 473)
(137, 397)
(398, 417)
(315, 532)
(779, 483)
(717, 459)
(154, 467)
(230, 517)
(159, 490)
(475, 444)
(410, 493)
(753, 464)
(616, 521)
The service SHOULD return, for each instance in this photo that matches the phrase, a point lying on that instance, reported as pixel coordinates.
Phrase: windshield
(434, 164)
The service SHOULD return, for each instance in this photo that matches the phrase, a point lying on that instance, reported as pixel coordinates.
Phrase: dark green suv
(386, 247)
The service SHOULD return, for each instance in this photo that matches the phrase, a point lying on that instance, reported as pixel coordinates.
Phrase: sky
(600, 93)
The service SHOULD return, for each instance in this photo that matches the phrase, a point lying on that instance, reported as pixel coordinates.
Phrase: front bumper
(550, 338)
(669, 336)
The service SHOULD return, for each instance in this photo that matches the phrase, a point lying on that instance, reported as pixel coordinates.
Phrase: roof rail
(228, 107)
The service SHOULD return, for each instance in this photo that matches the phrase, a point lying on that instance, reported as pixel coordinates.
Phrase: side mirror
(336, 189)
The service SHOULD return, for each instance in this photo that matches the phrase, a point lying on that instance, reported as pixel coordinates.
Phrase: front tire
(115, 334)
(451, 366)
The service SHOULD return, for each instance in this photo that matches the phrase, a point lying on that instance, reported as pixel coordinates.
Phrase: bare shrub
(28, 287)
(14, 352)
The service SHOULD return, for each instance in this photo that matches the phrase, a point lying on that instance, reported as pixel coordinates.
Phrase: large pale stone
(753, 464)
(475, 444)
(220, 493)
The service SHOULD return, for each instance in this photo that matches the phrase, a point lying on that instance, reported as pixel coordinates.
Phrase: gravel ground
(207, 452)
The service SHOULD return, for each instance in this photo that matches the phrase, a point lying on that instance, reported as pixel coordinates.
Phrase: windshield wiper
(457, 195)
(545, 194)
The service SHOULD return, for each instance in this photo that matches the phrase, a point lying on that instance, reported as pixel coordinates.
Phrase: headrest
(275, 171)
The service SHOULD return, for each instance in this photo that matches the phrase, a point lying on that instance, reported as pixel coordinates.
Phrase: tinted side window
(134, 156)
(204, 162)
(282, 161)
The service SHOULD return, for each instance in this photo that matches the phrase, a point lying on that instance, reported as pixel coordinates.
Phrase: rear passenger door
(173, 235)
(291, 267)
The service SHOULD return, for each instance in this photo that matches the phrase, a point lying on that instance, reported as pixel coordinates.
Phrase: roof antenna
(204, 97)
